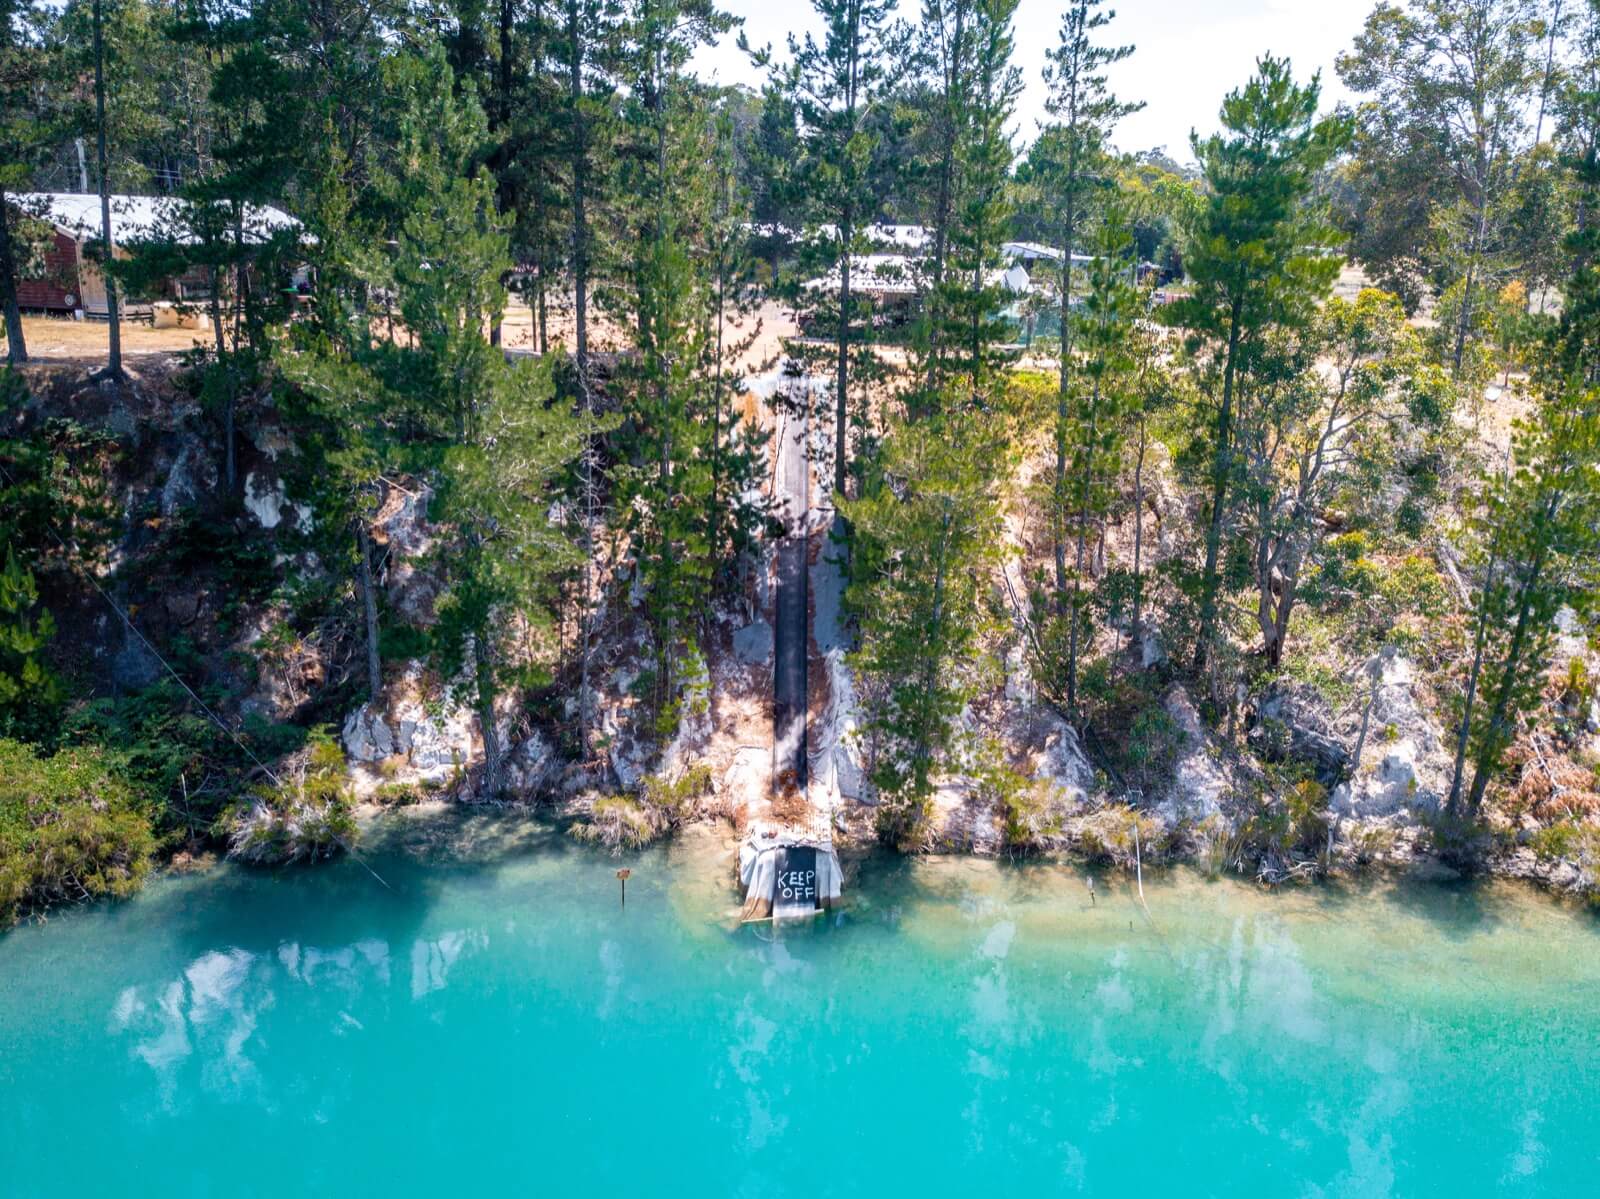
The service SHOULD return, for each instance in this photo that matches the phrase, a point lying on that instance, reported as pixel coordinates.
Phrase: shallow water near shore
(492, 1018)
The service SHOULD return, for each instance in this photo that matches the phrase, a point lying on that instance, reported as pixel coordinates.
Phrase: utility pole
(114, 361)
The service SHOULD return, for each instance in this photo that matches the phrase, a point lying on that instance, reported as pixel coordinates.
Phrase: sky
(1190, 53)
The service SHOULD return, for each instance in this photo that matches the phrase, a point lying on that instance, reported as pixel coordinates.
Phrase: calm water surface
(492, 1023)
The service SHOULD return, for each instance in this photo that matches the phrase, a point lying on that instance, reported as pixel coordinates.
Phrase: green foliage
(182, 768)
(70, 830)
(619, 822)
(55, 483)
(1092, 426)
(1261, 255)
(305, 815)
(1132, 724)
(30, 693)
(927, 535)
(1031, 815)
(1540, 529)
(1122, 835)
(1563, 840)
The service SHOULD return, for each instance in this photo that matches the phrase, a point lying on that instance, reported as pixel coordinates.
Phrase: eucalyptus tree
(1577, 340)
(1448, 83)
(1317, 421)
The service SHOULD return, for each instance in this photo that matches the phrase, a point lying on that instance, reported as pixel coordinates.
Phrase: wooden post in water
(622, 877)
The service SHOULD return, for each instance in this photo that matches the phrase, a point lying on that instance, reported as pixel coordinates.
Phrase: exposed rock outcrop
(1405, 763)
(434, 741)
(1200, 779)
(402, 527)
(1293, 721)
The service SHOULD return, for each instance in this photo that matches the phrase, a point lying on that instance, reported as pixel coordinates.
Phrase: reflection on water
(501, 1021)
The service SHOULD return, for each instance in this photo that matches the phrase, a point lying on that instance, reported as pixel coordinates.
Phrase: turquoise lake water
(492, 1023)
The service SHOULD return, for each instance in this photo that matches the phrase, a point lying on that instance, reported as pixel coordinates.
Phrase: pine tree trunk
(1085, 487)
(1138, 527)
(113, 317)
(16, 343)
(841, 427)
(369, 607)
(490, 787)
(1499, 711)
(1221, 467)
(1463, 733)
(922, 757)
(580, 292)
(1063, 410)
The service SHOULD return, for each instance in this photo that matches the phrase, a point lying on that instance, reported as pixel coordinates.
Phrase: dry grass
(57, 339)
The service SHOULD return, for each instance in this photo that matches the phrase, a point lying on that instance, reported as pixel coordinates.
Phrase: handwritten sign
(795, 886)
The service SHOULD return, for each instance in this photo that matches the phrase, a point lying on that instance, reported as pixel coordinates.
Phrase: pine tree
(960, 345)
(586, 50)
(834, 86)
(27, 63)
(1541, 523)
(1072, 171)
(928, 533)
(1319, 406)
(1260, 257)
(30, 693)
(492, 434)
(1098, 416)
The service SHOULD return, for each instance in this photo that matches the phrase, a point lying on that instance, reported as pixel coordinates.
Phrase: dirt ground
(58, 339)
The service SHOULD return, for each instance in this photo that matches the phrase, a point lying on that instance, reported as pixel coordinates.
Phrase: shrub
(1031, 818)
(177, 761)
(1137, 733)
(620, 822)
(30, 693)
(1119, 834)
(1287, 835)
(307, 814)
(1564, 839)
(1029, 811)
(399, 795)
(903, 822)
(69, 830)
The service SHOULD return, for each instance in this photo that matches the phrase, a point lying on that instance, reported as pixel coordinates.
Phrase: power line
(127, 623)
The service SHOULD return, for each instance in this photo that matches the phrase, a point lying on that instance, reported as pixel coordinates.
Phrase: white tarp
(772, 883)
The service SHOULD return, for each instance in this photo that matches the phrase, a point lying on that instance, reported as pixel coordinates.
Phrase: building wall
(55, 287)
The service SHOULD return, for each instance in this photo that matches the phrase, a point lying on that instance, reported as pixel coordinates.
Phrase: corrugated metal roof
(140, 218)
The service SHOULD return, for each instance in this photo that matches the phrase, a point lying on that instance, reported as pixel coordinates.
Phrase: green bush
(176, 760)
(1564, 839)
(620, 822)
(306, 814)
(69, 830)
